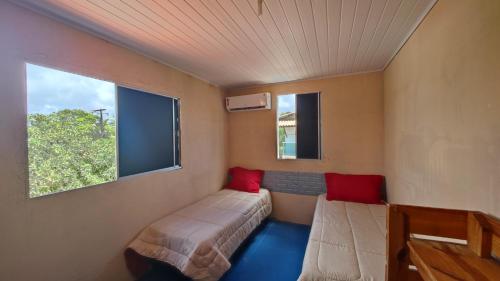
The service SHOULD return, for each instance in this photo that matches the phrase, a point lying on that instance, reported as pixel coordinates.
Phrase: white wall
(81, 235)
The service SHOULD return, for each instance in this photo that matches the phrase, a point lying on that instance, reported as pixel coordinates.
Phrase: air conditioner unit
(249, 102)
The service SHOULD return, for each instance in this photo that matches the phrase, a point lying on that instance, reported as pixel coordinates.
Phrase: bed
(347, 242)
(199, 239)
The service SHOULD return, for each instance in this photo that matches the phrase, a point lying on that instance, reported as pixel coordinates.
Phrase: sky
(51, 90)
(286, 103)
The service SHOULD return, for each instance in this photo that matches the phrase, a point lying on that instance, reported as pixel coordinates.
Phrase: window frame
(320, 135)
(71, 70)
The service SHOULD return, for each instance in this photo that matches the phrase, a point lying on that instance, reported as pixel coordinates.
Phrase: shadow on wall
(426, 172)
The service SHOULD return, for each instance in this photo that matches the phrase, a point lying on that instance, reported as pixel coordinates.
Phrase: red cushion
(245, 180)
(354, 188)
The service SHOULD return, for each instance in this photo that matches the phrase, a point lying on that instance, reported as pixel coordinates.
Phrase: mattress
(347, 242)
(199, 239)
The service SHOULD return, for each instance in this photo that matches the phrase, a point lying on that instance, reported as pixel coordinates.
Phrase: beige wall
(294, 208)
(442, 110)
(352, 124)
(351, 127)
(81, 235)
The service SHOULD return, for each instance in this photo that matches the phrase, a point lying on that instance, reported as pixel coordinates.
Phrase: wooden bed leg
(397, 267)
(479, 238)
(136, 264)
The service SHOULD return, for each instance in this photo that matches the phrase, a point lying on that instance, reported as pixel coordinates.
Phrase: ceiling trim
(303, 80)
(84, 27)
(413, 29)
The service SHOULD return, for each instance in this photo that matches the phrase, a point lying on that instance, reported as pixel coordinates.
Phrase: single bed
(199, 239)
(347, 242)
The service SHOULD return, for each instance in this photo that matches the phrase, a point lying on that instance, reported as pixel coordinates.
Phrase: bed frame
(416, 249)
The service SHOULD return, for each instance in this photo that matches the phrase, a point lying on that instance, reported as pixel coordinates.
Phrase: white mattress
(347, 242)
(199, 239)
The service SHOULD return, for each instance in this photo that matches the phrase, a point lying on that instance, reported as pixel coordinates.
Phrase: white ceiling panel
(230, 43)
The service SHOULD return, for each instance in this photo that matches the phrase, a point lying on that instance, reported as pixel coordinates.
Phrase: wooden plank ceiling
(227, 42)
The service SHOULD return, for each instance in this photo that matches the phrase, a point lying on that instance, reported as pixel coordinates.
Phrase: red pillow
(245, 180)
(354, 188)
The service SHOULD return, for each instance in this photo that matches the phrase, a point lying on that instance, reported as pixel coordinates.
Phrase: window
(298, 130)
(76, 139)
(71, 131)
(148, 132)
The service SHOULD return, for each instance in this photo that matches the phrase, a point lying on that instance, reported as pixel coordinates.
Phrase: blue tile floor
(273, 252)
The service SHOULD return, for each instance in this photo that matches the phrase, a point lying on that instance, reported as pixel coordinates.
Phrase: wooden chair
(415, 238)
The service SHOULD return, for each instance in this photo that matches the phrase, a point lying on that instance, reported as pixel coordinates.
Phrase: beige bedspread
(347, 242)
(199, 239)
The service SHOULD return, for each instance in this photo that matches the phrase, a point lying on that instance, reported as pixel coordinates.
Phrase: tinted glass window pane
(307, 126)
(146, 132)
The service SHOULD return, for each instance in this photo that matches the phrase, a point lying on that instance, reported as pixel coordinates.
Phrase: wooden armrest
(440, 261)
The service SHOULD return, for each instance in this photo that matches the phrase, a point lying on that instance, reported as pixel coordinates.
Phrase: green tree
(282, 138)
(68, 150)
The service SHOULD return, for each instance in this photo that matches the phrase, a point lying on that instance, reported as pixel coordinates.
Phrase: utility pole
(101, 121)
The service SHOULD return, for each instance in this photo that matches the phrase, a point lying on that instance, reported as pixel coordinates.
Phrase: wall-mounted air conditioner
(249, 102)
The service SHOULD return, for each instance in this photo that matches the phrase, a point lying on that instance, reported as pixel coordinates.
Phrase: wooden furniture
(434, 244)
